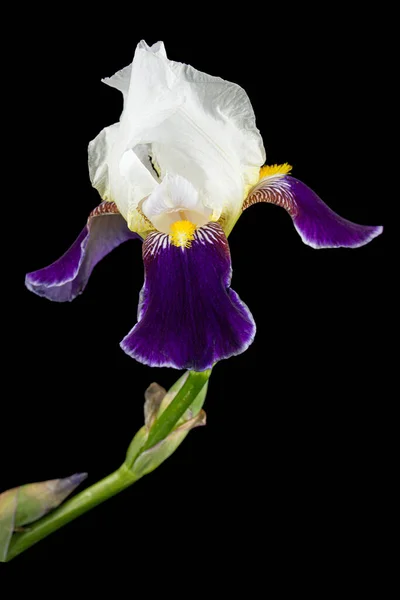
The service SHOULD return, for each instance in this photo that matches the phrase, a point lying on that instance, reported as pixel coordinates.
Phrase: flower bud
(28, 503)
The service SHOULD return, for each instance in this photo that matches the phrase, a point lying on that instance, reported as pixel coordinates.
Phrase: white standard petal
(212, 140)
(121, 79)
(199, 127)
(100, 151)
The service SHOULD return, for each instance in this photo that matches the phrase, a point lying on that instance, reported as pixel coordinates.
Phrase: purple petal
(188, 317)
(317, 224)
(67, 277)
(320, 227)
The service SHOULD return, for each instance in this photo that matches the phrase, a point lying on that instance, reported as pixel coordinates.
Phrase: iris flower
(177, 171)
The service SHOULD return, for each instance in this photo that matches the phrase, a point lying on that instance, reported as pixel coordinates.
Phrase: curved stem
(117, 481)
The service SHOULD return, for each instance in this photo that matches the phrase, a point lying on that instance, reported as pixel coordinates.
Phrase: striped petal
(317, 224)
(188, 316)
(66, 278)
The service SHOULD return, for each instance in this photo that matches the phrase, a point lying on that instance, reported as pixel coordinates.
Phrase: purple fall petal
(320, 227)
(67, 277)
(317, 224)
(188, 316)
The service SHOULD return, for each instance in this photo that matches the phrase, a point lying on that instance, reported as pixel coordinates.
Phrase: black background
(288, 470)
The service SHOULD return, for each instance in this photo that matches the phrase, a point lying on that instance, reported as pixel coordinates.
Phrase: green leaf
(172, 414)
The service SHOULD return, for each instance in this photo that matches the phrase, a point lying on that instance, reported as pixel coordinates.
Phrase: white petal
(139, 182)
(145, 153)
(99, 152)
(175, 192)
(174, 200)
(212, 140)
(134, 179)
(197, 126)
(121, 79)
(157, 48)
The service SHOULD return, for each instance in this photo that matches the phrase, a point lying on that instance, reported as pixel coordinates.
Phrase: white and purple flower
(184, 161)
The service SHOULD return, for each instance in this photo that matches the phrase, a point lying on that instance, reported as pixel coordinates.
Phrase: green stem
(117, 481)
(70, 510)
(171, 415)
